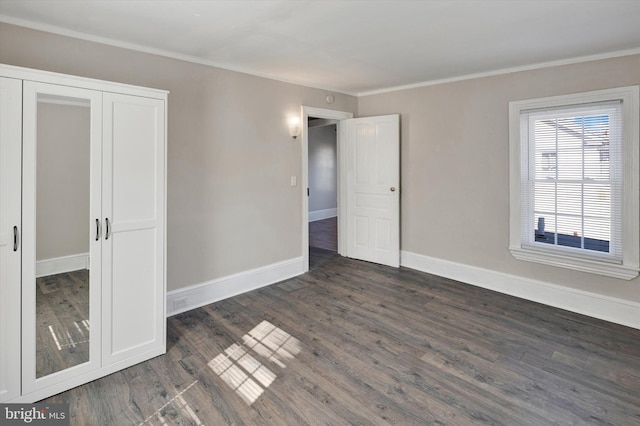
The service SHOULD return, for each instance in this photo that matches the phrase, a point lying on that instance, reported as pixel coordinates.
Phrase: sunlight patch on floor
(242, 372)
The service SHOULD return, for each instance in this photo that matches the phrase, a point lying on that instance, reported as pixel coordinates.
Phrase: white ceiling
(354, 47)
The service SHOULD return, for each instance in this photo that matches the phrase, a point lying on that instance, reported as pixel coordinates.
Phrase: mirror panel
(62, 233)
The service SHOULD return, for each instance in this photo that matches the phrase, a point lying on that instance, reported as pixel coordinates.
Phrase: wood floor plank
(337, 366)
(595, 388)
(324, 234)
(352, 342)
(227, 310)
(355, 352)
(566, 394)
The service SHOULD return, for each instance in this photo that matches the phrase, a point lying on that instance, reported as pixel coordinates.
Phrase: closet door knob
(97, 229)
(106, 235)
(15, 238)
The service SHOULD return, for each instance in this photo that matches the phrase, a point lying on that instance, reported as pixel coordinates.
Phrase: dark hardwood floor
(356, 343)
(323, 241)
(324, 234)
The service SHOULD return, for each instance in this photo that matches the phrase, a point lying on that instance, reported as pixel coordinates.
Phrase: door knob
(392, 189)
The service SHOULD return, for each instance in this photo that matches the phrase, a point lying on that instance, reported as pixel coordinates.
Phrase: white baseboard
(322, 214)
(60, 265)
(592, 304)
(194, 296)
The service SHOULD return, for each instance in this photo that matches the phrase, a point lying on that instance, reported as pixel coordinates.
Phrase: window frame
(629, 267)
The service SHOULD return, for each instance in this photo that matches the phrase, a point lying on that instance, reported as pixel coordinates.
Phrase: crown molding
(568, 61)
(194, 59)
(159, 52)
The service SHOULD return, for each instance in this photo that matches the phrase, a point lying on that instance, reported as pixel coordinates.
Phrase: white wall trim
(529, 67)
(607, 308)
(322, 214)
(60, 265)
(198, 295)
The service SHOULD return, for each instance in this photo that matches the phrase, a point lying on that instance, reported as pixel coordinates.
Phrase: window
(574, 181)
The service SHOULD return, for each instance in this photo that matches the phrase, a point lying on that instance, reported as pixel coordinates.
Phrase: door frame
(329, 114)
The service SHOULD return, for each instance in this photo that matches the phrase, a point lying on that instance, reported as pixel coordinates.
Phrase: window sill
(577, 264)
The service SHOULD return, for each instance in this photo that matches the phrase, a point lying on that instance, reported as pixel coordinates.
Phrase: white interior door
(10, 234)
(133, 208)
(373, 193)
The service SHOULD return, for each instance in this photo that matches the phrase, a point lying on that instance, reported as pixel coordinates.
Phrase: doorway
(322, 190)
(321, 174)
(368, 186)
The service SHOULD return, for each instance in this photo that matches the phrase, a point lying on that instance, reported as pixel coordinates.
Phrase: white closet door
(39, 332)
(10, 233)
(133, 251)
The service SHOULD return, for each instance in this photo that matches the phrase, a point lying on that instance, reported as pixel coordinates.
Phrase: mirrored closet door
(62, 233)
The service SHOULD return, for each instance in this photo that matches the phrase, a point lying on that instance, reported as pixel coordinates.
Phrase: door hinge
(307, 192)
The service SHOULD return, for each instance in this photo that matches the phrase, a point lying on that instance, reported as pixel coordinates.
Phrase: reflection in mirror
(62, 234)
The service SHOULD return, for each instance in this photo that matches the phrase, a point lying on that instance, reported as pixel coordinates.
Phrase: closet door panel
(133, 203)
(10, 233)
(134, 308)
(62, 132)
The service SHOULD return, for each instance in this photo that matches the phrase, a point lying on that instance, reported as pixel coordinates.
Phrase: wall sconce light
(294, 126)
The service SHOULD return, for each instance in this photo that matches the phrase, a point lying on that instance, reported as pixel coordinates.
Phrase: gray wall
(62, 186)
(455, 166)
(322, 168)
(230, 157)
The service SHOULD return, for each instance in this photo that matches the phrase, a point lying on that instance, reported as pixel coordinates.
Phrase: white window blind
(572, 179)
